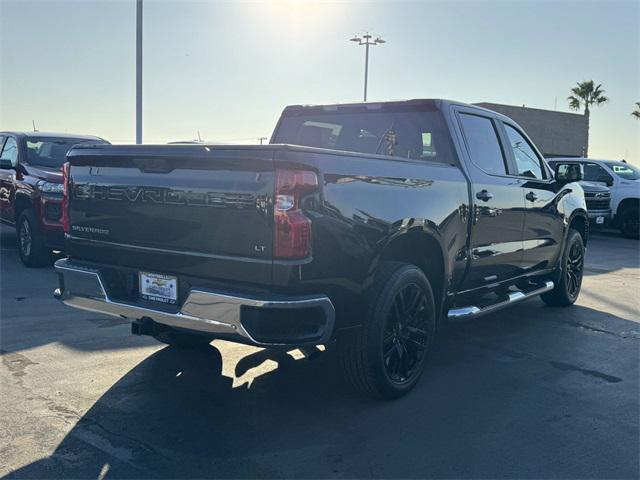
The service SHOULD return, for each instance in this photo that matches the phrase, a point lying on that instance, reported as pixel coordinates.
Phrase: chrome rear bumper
(204, 311)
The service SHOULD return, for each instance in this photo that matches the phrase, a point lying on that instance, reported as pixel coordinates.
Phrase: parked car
(31, 189)
(598, 198)
(623, 180)
(361, 224)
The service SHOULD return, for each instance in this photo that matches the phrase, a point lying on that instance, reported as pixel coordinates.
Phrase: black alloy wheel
(405, 336)
(574, 269)
(386, 355)
(568, 280)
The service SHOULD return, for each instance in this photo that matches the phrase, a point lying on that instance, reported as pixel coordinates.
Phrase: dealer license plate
(159, 288)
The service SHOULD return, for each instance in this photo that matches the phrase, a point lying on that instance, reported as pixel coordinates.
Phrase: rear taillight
(292, 237)
(64, 217)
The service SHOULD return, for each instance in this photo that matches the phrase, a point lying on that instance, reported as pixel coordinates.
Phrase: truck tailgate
(203, 205)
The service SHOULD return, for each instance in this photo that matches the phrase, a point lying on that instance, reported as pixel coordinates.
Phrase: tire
(630, 222)
(386, 356)
(32, 248)
(567, 288)
(182, 340)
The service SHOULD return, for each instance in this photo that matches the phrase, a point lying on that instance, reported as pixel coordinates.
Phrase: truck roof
(428, 103)
(412, 104)
(50, 134)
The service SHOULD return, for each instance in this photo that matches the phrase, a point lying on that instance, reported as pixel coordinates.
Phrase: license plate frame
(158, 287)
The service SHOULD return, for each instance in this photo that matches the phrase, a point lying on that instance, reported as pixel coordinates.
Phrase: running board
(467, 313)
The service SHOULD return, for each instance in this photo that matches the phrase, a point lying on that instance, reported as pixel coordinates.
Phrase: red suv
(31, 189)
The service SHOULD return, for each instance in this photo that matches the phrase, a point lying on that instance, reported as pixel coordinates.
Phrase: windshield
(624, 170)
(405, 134)
(51, 151)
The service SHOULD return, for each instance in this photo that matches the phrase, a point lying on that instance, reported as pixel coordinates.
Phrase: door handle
(484, 195)
(532, 197)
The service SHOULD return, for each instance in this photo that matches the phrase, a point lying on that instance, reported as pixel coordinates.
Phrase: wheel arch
(627, 203)
(22, 202)
(422, 248)
(579, 221)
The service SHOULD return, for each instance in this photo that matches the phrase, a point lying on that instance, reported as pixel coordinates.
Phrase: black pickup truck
(359, 225)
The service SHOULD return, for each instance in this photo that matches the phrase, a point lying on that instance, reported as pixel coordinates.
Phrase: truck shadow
(499, 400)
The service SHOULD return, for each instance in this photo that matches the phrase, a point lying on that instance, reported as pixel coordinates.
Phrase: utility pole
(261, 139)
(138, 72)
(367, 42)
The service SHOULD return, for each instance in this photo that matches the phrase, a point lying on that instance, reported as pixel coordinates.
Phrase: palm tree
(586, 94)
(636, 111)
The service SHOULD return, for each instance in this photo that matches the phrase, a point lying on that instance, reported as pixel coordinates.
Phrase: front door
(497, 223)
(8, 152)
(544, 225)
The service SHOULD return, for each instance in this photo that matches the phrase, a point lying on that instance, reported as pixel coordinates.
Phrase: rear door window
(484, 146)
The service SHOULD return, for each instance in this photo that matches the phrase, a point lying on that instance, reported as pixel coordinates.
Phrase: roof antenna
(199, 137)
(33, 122)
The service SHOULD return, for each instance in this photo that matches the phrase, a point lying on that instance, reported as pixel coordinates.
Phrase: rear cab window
(411, 133)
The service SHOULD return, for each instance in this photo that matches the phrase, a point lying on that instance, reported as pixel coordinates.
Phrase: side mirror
(568, 172)
(6, 164)
(606, 179)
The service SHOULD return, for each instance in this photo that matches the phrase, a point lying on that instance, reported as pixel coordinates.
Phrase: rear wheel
(568, 286)
(32, 248)
(182, 339)
(386, 356)
(630, 222)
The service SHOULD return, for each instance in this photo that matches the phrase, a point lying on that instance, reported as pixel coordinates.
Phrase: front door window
(10, 151)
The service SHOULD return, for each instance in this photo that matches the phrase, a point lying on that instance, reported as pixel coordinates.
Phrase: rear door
(544, 225)
(496, 231)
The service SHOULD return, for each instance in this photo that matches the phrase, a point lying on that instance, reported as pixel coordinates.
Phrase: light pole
(138, 72)
(366, 41)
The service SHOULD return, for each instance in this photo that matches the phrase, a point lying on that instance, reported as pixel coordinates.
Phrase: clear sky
(227, 69)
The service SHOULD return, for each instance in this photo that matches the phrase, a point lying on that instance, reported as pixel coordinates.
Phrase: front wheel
(568, 286)
(630, 222)
(386, 355)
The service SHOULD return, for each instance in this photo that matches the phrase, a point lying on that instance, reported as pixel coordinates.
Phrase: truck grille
(597, 201)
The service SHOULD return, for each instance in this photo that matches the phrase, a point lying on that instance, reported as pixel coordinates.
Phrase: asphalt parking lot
(528, 392)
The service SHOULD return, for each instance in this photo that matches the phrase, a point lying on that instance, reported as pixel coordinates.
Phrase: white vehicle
(623, 179)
